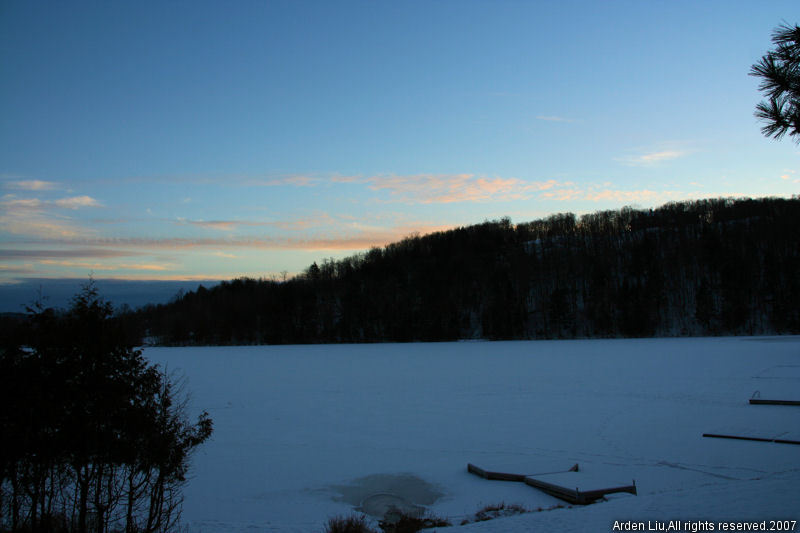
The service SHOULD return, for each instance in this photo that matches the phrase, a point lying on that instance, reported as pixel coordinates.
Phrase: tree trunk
(83, 496)
(129, 527)
(14, 498)
(99, 506)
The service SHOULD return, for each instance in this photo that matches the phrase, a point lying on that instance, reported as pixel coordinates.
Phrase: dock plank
(554, 484)
(759, 401)
(757, 439)
(561, 486)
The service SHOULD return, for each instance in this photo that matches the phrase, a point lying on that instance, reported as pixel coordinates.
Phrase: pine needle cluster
(779, 70)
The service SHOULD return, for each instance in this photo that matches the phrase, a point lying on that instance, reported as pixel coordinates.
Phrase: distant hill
(58, 292)
(709, 267)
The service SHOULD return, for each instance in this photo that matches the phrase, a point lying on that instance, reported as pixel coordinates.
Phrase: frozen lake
(301, 433)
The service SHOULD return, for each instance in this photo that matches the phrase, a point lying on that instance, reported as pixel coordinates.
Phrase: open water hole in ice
(294, 426)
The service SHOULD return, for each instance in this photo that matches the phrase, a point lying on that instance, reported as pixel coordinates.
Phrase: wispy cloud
(606, 193)
(35, 224)
(77, 202)
(348, 179)
(790, 175)
(450, 188)
(651, 158)
(34, 217)
(297, 181)
(354, 237)
(148, 267)
(642, 195)
(105, 266)
(15, 269)
(157, 276)
(294, 224)
(355, 240)
(21, 254)
(228, 180)
(11, 201)
(219, 225)
(32, 185)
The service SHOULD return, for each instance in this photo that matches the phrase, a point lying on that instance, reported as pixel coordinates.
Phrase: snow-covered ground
(300, 430)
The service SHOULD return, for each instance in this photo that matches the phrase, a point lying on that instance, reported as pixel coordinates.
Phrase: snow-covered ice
(293, 425)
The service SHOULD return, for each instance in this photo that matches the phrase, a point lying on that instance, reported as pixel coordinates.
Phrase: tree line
(707, 267)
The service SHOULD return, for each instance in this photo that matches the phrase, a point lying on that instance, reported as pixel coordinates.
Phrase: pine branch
(779, 70)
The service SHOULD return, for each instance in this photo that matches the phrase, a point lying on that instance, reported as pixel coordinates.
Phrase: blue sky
(210, 140)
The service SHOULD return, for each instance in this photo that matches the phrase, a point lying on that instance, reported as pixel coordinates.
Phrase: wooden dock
(759, 401)
(498, 476)
(502, 476)
(757, 439)
(574, 496)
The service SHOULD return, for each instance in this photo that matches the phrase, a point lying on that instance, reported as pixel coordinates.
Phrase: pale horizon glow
(202, 140)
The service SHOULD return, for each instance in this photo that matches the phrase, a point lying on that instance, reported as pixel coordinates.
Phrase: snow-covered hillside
(302, 432)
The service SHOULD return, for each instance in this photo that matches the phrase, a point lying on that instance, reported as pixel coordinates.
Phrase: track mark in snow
(791, 372)
(681, 467)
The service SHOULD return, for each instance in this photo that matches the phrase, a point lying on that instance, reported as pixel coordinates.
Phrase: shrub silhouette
(404, 523)
(348, 524)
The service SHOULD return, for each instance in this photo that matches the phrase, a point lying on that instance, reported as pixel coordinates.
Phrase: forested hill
(710, 267)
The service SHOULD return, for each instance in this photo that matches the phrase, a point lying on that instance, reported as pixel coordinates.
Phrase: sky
(212, 140)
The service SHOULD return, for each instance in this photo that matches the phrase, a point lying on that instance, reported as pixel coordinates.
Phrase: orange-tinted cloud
(790, 175)
(104, 266)
(225, 255)
(220, 225)
(175, 277)
(451, 188)
(348, 238)
(296, 224)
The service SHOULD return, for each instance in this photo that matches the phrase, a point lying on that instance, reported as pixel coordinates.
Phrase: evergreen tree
(101, 438)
